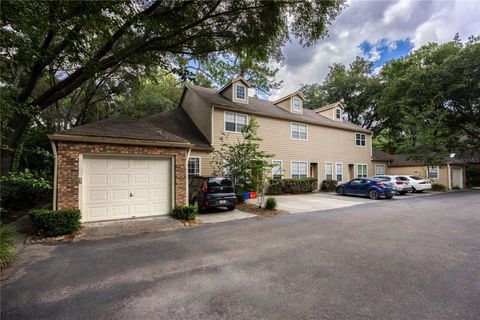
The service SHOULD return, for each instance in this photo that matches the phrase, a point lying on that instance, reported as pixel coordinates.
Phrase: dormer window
(338, 113)
(240, 92)
(296, 104)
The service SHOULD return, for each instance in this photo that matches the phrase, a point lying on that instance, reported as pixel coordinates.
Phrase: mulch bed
(262, 212)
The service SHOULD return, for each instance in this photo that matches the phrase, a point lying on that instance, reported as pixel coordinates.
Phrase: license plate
(222, 201)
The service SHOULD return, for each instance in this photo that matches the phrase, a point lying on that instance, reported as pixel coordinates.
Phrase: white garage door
(125, 187)
(457, 180)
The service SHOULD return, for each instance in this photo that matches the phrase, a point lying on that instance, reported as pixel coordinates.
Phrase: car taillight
(399, 182)
(204, 186)
(380, 184)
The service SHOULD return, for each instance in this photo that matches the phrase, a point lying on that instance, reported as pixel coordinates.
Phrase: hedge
(21, 190)
(438, 187)
(473, 177)
(52, 223)
(329, 185)
(185, 212)
(271, 203)
(292, 186)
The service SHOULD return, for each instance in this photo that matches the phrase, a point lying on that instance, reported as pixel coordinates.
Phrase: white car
(400, 184)
(418, 184)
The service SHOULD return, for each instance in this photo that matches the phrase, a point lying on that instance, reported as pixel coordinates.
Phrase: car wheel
(414, 190)
(373, 194)
(402, 192)
(231, 208)
(340, 191)
(388, 197)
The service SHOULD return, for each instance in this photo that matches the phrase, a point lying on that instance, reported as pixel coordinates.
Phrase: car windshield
(416, 178)
(219, 182)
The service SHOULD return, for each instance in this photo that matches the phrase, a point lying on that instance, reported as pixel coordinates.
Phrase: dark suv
(211, 192)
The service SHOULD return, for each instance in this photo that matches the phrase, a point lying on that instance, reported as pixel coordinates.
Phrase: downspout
(54, 149)
(449, 177)
(187, 193)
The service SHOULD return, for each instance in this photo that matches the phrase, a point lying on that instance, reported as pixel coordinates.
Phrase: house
(122, 168)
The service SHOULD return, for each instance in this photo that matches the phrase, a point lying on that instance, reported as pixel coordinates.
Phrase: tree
(355, 85)
(242, 160)
(81, 41)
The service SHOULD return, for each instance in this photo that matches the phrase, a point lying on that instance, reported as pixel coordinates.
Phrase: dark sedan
(373, 188)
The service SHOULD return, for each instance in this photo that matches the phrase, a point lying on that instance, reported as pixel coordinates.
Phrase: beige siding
(330, 113)
(285, 104)
(228, 93)
(323, 145)
(199, 112)
(205, 159)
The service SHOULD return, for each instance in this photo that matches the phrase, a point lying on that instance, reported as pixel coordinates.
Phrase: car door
(363, 186)
(352, 187)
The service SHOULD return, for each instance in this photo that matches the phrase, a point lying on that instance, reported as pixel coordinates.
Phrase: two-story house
(121, 168)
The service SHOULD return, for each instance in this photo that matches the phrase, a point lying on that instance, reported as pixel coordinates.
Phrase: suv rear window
(219, 182)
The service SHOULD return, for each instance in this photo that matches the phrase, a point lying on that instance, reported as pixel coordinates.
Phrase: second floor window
(299, 131)
(338, 113)
(235, 122)
(240, 91)
(360, 139)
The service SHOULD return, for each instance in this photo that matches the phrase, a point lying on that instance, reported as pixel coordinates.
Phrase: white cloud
(419, 21)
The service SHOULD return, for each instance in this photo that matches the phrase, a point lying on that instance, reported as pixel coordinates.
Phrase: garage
(457, 177)
(115, 187)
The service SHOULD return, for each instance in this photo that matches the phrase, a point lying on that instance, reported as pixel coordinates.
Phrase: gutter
(92, 139)
(55, 166)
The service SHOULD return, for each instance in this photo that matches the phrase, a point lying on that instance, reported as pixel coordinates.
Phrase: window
(299, 131)
(234, 122)
(360, 139)
(433, 172)
(297, 104)
(299, 169)
(277, 169)
(240, 92)
(362, 170)
(379, 169)
(328, 171)
(193, 166)
(339, 171)
(338, 113)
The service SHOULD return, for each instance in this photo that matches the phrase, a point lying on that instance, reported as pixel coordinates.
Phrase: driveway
(416, 259)
(318, 201)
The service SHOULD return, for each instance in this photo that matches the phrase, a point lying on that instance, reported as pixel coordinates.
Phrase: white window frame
(293, 104)
(235, 92)
(377, 166)
(298, 161)
(364, 139)
(235, 121)
(299, 124)
(199, 166)
(338, 118)
(274, 165)
(336, 171)
(356, 170)
(438, 172)
(331, 172)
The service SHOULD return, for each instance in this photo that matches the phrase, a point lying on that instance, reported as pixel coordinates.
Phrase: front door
(314, 171)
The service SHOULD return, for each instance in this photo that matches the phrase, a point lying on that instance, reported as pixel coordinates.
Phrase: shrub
(22, 189)
(185, 212)
(438, 187)
(328, 185)
(7, 250)
(473, 176)
(291, 186)
(271, 203)
(55, 223)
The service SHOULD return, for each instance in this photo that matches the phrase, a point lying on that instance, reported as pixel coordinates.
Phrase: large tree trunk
(12, 134)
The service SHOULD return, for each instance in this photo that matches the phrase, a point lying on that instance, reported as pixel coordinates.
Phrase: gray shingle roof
(267, 108)
(381, 155)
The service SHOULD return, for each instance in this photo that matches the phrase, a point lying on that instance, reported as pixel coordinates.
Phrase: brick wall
(67, 167)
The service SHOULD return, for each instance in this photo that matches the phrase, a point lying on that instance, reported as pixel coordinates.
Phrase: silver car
(400, 184)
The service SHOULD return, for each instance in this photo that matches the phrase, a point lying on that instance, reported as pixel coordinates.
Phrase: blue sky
(378, 30)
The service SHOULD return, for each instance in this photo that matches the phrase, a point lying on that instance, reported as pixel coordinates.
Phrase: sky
(379, 31)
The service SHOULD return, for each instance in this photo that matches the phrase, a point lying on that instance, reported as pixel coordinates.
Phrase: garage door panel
(97, 195)
(120, 194)
(97, 179)
(109, 181)
(120, 179)
(120, 211)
